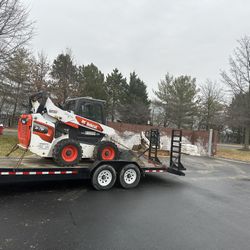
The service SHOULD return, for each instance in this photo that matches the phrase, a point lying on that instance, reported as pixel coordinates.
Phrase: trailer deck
(35, 162)
(129, 168)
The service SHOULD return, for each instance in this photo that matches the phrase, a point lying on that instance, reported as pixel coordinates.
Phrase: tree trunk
(15, 104)
(1, 105)
(246, 139)
(113, 111)
(13, 114)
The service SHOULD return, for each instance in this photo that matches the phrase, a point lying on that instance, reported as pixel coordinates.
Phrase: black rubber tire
(97, 155)
(57, 152)
(124, 170)
(99, 170)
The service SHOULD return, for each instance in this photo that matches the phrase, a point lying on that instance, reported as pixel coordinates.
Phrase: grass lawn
(6, 144)
(235, 154)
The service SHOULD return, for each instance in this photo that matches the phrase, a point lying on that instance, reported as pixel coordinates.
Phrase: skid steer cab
(67, 134)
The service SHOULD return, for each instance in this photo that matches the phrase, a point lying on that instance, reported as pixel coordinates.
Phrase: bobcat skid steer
(67, 134)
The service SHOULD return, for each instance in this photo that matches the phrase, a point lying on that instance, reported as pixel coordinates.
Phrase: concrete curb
(231, 160)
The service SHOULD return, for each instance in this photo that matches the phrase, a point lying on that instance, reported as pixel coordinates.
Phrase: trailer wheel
(130, 176)
(104, 177)
(67, 152)
(106, 151)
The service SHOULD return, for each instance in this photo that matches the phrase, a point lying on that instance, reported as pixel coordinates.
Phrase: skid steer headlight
(23, 121)
(40, 128)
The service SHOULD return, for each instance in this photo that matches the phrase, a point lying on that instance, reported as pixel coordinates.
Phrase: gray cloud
(192, 37)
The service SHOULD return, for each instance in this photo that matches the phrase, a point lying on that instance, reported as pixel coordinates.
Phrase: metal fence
(8, 120)
(200, 136)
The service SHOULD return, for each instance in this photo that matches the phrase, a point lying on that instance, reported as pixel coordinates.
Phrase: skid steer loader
(69, 133)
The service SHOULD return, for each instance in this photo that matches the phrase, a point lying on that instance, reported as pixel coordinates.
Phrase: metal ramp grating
(175, 152)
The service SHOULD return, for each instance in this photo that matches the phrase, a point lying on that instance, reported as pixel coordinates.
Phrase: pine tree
(116, 89)
(135, 108)
(4, 91)
(179, 96)
(138, 90)
(91, 82)
(238, 114)
(64, 74)
(163, 96)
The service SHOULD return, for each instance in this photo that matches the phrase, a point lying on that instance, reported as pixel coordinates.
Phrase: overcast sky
(193, 37)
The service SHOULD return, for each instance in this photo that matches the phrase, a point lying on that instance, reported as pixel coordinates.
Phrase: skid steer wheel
(106, 151)
(104, 177)
(130, 176)
(67, 152)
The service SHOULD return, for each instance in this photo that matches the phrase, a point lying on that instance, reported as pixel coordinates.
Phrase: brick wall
(193, 136)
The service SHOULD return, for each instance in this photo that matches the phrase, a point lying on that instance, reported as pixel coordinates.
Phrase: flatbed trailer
(103, 174)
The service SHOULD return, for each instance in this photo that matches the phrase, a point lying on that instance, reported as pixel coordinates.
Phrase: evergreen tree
(179, 96)
(238, 114)
(138, 90)
(64, 74)
(116, 89)
(91, 82)
(163, 96)
(17, 76)
(135, 108)
(4, 91)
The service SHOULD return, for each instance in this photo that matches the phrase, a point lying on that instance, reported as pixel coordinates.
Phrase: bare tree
(211, 105)
(40, 72)
(3, 92)
(158, 113)
(15, 28)
(238, 78)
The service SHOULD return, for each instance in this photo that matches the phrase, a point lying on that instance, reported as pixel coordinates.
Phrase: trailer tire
(106, 151)
(67, 152)
(130, 176)
(104, 177)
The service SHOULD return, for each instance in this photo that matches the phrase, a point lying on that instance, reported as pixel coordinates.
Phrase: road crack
(72, 218)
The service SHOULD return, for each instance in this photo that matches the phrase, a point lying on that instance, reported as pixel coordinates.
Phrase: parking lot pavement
(207, 209)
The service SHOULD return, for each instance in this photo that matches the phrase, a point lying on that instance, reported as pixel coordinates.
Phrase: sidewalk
(226, 145)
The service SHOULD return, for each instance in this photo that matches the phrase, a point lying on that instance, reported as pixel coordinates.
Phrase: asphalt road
(209, 208)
